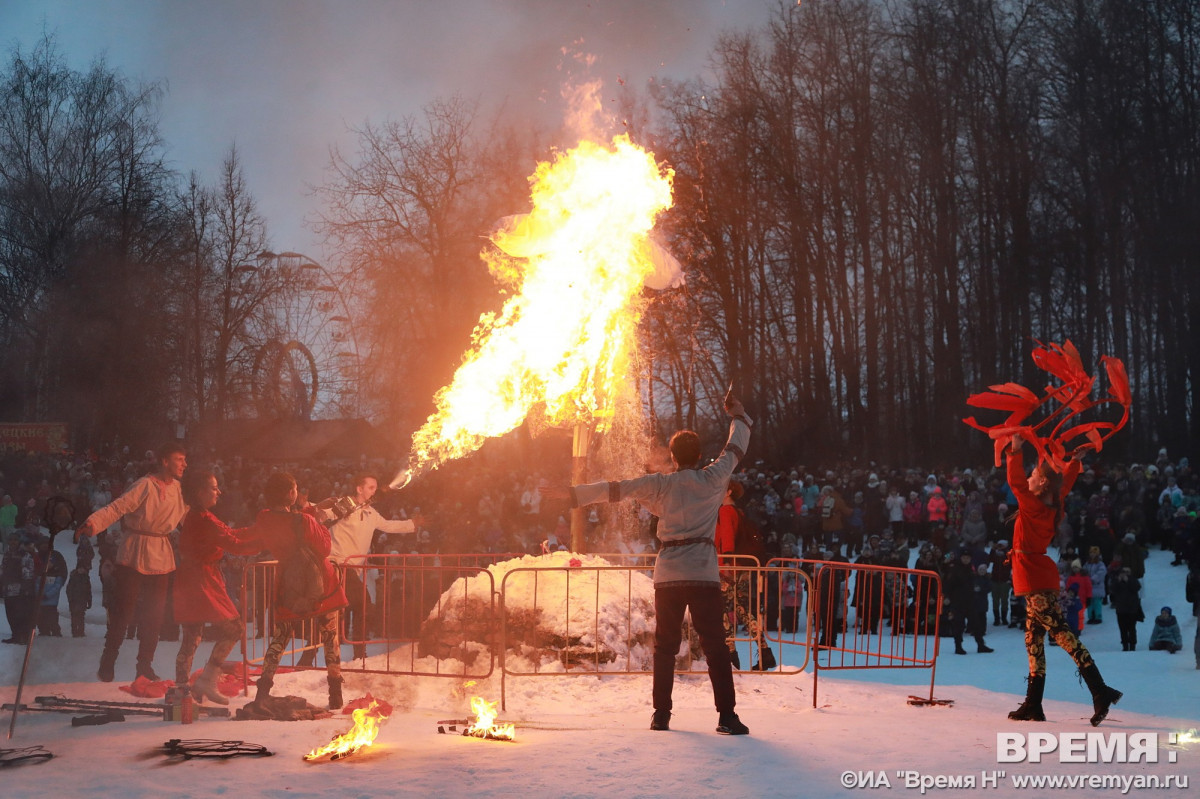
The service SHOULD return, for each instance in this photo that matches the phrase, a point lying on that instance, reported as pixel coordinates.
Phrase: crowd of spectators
(875, 514)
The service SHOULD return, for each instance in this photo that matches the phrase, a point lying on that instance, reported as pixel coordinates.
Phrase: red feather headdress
(1072, 398)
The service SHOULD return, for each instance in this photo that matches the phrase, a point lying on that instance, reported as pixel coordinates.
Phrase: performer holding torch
(686, 503)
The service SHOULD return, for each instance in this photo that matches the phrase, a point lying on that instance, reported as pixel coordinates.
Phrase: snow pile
(560, 610)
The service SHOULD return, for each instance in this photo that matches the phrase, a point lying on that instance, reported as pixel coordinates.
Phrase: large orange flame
(367, 721)
(563, 341)
(485, 722)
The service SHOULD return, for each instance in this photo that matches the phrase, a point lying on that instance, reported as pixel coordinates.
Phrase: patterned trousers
(1042, 616)
(738, 598)
(282, 633)
(229, 632)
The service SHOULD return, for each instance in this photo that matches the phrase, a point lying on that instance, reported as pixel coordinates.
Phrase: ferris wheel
(306, 358)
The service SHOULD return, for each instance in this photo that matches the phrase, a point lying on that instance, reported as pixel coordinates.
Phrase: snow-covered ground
(589, 736)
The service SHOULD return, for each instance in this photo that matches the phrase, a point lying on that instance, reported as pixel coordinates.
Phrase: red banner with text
(33, 436)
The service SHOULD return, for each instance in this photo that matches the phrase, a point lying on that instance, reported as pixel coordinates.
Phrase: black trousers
(130, 586)
(1127, 622)
(707, 604)
(22, 616)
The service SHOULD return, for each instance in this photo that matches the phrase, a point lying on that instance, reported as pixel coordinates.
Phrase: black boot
(108, 663)
(766, 660)
(661, 720)
(264, 689)
(1031, 708)
(335, 694)
(729, 724)
(144, 669)
(1103, 697)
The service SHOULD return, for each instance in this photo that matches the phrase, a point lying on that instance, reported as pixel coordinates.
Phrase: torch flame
(485, 718)
(367, 721)
(1188, 737)
(575, 266)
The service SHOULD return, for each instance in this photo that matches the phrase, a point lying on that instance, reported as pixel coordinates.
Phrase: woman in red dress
(200, 595)
(1035, 577)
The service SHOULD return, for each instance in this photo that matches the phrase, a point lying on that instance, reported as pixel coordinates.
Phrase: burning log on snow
(367, 721)
(485, 722)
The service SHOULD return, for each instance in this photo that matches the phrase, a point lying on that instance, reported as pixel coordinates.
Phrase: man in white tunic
(686, 503)
(353, 535)
(149, 510)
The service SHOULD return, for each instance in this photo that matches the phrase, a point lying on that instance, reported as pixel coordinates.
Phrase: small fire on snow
(485, 718)
(367, 721)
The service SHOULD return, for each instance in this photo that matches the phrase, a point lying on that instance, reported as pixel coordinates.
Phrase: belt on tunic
(683, 542)
(148, 533)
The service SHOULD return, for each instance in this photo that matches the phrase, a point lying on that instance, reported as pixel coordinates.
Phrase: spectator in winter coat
(960, 588)
(1128, 606)
(895, 511)
(834, 512)
(1072, 607)
(1001, 582)
(977, 621)
(56, 580)
(1083, 584)
(1132, 556)
(935, 512)
(914, 518)
(974, 530)
(18, 578)
(1166, 633)
(1193, 596)
(1098, 573)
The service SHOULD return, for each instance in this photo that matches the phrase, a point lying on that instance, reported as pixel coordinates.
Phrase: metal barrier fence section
(424, 619)
(871, 617)
(399, 608)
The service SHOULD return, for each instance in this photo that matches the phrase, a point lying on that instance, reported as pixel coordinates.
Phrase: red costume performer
(1040, 499)
(199, 595)
(1035, 577)
(276, 530)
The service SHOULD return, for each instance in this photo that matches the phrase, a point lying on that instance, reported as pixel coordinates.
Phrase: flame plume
(367, 721)
(564, 339)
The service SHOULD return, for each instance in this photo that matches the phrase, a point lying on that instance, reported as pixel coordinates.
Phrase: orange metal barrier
(835, 615)
(574, 594)
(394, 596)
(871, 617)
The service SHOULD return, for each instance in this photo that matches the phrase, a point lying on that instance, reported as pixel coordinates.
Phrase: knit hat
(1166, 609)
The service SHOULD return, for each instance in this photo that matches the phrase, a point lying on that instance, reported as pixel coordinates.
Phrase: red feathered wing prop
(1060, 432)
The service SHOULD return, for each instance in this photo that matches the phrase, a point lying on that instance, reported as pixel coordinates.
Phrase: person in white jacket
(353, 534)
(686, 577)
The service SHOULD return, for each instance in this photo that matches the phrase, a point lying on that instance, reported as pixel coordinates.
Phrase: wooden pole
(579, 451)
